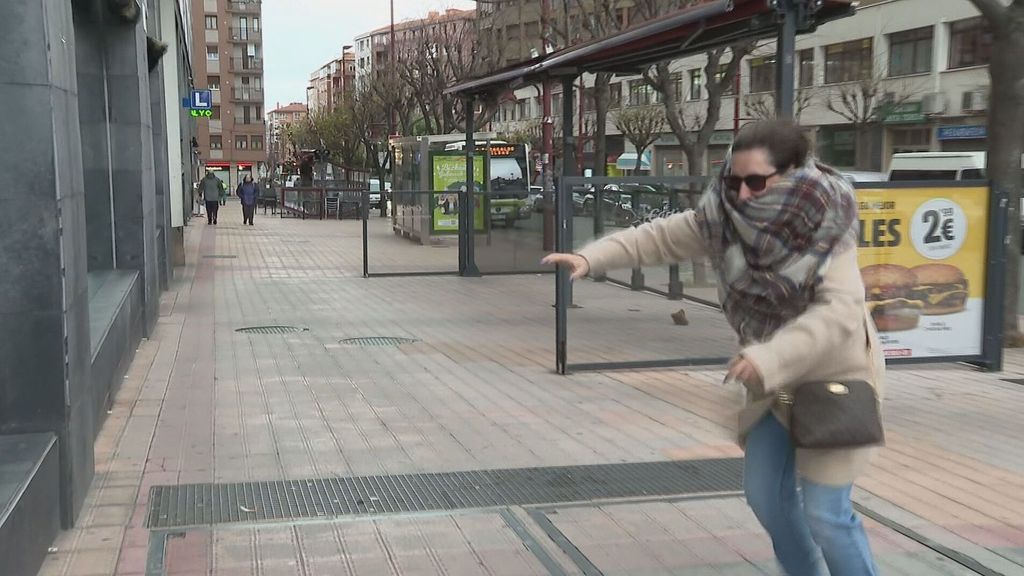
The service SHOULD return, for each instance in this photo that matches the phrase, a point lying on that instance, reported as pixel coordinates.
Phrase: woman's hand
(745, 372)
(577, 265)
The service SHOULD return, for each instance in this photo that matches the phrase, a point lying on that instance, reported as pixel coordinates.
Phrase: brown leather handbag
(825, 415)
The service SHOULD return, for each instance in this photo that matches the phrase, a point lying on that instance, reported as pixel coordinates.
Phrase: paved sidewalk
(204, 404)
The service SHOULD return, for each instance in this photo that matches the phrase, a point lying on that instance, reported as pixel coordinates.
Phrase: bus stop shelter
(699, 28)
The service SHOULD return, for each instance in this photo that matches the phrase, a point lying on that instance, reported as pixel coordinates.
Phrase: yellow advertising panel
(922, 254)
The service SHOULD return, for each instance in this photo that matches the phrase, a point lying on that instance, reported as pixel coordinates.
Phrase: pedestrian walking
(210, 187)
(779, 228)
(223, 193)
(247, 192)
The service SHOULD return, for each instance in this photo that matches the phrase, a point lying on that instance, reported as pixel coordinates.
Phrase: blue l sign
(201, 100)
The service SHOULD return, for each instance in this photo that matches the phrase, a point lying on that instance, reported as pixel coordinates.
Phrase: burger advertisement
(922, 253)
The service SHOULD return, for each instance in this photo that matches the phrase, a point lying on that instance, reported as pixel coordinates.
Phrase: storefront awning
(627, 161)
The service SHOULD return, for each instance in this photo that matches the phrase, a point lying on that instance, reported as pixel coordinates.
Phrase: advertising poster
(449, 175)
(922, 254)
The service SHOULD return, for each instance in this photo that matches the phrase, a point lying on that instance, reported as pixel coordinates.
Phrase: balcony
(249, 64)
(253, 127)
(244, 35)
(247, 94)
(245, 6)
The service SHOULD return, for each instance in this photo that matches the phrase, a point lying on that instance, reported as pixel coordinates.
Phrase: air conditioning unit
(933, 104)
(975, 101)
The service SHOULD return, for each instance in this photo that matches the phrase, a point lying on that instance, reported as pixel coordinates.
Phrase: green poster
(449, 179)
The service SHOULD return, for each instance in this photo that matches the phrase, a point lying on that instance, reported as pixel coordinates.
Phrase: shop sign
(905, 113)
(967, 132)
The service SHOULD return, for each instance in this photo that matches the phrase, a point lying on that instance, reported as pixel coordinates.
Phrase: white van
(937, 166)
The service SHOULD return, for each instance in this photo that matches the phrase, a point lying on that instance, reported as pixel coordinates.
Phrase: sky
(300, 36)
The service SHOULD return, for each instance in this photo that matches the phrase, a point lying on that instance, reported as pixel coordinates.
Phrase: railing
(247, 64)
(245, 6)
(247, 94)
(246, 35)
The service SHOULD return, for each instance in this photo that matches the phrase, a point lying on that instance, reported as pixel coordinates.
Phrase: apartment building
(372, 49)
(927, 59)
(228, 59)
(331, 84)
(278, 121)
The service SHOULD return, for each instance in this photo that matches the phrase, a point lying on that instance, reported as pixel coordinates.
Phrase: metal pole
(467, 209)
(563, 283)
(785, 93)
(365, 213)
(548, 135)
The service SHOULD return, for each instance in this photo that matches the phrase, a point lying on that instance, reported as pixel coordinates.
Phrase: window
(212, 54)
(216, 143)
(696, 84)
(910, 52)
(241, 142)
(762, 74)
(970, 43)
(849, 61)
(615, 96)
(213, 82)
(730, 89)
(807, 68)
(215, 111)
(639, 93)
(590, 99)
(211, 22)
(256, 143)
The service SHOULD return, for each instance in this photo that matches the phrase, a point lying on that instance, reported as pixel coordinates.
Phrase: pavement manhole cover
(271, 329)
(370, 341)
(220, 256)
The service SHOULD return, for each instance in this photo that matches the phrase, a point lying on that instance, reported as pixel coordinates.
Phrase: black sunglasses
(755, 182)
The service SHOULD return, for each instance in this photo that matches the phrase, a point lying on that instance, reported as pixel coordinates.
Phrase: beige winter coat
(834, 339)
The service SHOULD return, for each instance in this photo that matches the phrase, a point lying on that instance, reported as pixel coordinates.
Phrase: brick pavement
(203, 403)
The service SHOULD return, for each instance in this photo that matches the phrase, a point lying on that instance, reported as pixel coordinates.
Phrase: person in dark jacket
(210, 187)
(248, 191)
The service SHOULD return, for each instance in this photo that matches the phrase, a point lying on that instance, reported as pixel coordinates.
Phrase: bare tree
(1005, 126)
(441, 54)
(642, 126)
(762, 106)
(868, 102)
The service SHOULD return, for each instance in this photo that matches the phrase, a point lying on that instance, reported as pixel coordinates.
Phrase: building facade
(278, 121)
(373, 49)
(927, 62)
(228, 60)
(100, 150)
(332, 83)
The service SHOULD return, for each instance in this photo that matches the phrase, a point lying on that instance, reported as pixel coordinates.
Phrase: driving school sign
(923, 253)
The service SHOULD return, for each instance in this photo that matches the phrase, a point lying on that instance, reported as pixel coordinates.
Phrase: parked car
(535, 199)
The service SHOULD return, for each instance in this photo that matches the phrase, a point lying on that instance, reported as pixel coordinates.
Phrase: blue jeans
(805, 524)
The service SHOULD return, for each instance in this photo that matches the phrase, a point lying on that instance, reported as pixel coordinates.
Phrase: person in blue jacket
(248, 191)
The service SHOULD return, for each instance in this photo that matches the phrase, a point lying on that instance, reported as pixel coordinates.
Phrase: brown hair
(785, 142)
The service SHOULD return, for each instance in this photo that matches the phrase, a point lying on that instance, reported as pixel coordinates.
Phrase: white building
(928, 57)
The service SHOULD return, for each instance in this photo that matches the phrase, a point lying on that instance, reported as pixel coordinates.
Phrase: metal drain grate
(220, 256)
(271, 329)
(204, 504)
(371, 341)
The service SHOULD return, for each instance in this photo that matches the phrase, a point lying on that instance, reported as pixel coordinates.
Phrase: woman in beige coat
(780, 230)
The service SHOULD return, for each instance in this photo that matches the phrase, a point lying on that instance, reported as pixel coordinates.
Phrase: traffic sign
(201, 100)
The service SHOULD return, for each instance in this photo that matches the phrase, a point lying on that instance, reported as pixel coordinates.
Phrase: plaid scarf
(771, 252)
